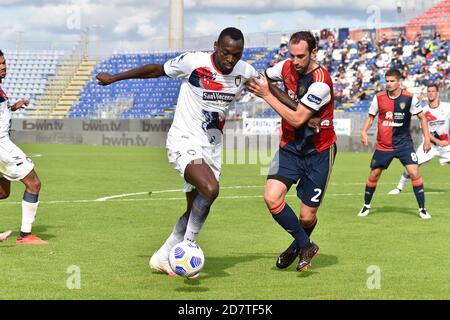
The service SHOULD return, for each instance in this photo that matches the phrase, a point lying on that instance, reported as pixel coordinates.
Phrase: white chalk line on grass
(125, 195)
(183, 198)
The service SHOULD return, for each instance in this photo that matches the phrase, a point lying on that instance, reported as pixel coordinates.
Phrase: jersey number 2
(316, 197)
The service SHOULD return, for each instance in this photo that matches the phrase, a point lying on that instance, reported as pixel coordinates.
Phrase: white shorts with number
(182, 150)
(14, 164)
(442, 152)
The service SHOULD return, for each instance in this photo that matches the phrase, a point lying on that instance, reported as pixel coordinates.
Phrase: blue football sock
(420, 195)
(289, 221)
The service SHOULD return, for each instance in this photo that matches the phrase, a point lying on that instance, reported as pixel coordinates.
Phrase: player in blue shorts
(305, 157)
(395, 108)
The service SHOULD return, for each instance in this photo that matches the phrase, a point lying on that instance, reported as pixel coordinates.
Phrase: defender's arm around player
(296, 118)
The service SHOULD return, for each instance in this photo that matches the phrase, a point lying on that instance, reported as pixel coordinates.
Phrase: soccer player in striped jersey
(305, 156)
(16, 166)
(438, 115)
(210, 84)
(395, 108)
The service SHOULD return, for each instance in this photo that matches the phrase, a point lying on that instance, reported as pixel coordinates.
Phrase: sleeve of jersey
(180, 66)
(275, 73)
(373, 109)
(318, 95)
(416, 106)
(250, 72)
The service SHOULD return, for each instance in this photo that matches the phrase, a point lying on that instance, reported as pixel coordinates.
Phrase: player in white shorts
(210, 83)
(16, 166)
(438, 116)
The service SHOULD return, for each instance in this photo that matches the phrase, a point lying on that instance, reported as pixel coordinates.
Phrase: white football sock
(175, 237)
(403, 180)
(199, 213)
(28, 215)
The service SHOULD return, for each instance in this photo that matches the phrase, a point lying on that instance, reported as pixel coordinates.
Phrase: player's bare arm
(439, 142)
(284, 98)
(295, 118)
(20, 104)
(425, 131)
(145, 72)
(367, 124)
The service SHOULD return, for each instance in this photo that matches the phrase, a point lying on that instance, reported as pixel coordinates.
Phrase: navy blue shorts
(382, 159)
(313, 171)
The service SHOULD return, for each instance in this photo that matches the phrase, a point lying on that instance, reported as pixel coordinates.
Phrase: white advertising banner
(262, 126)
(342, 127)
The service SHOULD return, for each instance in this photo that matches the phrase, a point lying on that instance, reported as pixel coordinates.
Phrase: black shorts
(313, 171)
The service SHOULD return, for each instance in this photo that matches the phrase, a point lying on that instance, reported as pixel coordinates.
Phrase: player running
(211, 82)
(305, 156)
(395, 108)
(438, 116)
(15, 166)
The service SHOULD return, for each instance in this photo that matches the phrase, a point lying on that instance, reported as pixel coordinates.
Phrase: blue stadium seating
(150, 97)
(28, 72)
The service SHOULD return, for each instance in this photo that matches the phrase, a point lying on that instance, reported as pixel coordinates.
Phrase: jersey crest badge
(237, 81)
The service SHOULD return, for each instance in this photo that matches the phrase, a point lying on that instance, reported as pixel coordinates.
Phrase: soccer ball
(186, 259)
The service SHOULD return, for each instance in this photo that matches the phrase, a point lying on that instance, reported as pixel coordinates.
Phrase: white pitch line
(220, 197)
(125, 195)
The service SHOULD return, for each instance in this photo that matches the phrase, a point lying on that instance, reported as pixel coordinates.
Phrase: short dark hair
(231, 32)
(433, 85)
(393, 73)
(304, 36)
(1, 53)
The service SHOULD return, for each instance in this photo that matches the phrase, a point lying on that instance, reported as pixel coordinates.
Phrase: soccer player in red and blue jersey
(305, 156)
(395, 108)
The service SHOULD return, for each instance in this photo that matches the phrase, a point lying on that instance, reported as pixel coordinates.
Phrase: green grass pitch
(111, 241)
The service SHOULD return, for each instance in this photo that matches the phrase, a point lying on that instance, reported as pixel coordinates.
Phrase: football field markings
(123, 197)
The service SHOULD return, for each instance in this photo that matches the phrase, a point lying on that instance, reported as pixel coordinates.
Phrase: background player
(438, 116)
(394, 108)
(305, 156)
(210, 84)
(15, 165)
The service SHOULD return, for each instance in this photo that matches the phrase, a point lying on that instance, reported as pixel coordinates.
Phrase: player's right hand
(258, 86)
(426, 146)
(444, 143)
(104, 79)
(364, 139)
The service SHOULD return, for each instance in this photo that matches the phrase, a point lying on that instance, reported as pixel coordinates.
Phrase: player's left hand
(426, 146)
(259, 87)
(314, 123)
(20, 104)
